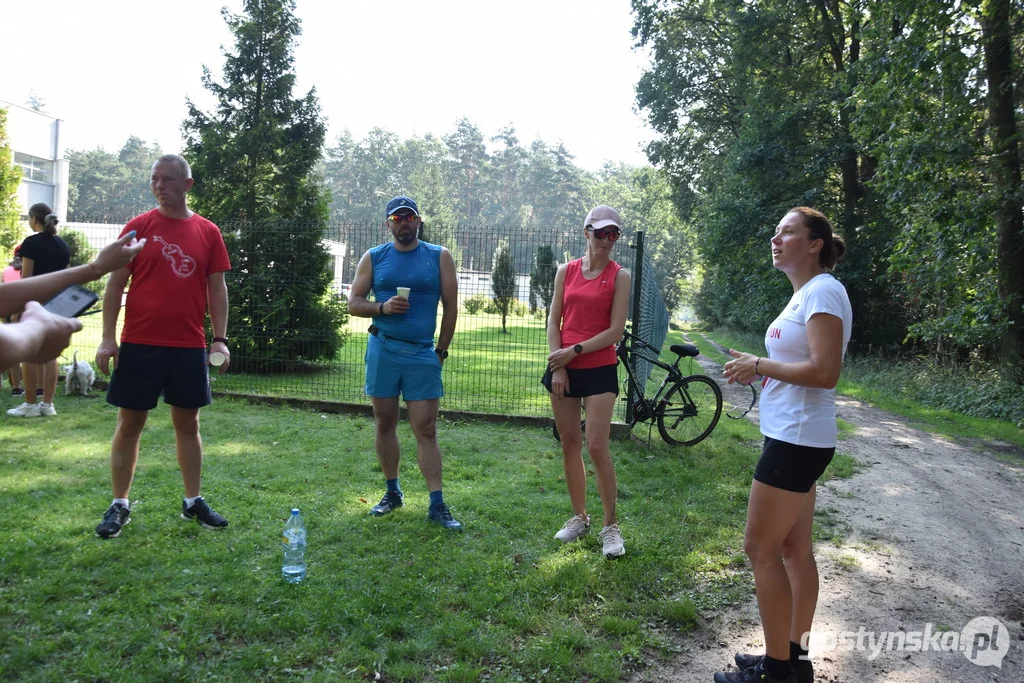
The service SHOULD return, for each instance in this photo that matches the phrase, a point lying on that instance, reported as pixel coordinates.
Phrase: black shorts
(588, 381)
(791, 467)
(144, 372)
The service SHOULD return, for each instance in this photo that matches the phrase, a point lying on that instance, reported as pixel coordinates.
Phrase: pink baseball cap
(601, 217)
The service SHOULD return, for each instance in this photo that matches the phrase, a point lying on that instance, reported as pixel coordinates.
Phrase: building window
(34, 168)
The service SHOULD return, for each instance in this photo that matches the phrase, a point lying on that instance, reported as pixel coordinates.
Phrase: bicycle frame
(643, 409)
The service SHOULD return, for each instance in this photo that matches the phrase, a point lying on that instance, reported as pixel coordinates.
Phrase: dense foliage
(10, 175)
(465, 190)
(890, 117)
(110, 188)
(253, 160)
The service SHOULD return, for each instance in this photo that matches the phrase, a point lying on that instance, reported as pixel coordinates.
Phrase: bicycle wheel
(690, 410)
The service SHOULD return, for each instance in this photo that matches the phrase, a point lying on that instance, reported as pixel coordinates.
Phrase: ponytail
(45, 216)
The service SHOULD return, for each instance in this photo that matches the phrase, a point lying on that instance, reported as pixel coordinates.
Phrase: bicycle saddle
(684, 350)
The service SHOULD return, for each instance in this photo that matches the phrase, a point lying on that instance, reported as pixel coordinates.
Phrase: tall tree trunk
(1006, 175)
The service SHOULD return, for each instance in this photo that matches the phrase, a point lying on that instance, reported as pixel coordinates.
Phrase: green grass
(169, 600)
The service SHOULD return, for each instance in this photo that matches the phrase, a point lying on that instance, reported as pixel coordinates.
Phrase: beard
(405, 236)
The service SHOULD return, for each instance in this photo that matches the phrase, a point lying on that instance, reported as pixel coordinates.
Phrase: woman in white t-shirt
(806, 344)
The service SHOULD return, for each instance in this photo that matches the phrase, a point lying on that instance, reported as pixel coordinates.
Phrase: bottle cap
(295, 511)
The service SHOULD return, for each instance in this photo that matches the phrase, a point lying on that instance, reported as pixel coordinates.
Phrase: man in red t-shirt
(163, 344)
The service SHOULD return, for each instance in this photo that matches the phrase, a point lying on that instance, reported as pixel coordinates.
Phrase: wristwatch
(578, 349)
(443, 353)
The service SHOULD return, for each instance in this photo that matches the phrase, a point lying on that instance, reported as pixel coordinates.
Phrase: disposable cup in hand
(217, 359)
(403, 293)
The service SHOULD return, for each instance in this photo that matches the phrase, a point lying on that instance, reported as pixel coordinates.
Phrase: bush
(477, 303)
(82, 253)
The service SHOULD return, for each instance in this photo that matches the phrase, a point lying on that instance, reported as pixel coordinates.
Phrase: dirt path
(933, 533)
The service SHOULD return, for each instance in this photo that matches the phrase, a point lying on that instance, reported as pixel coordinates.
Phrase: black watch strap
(441, 352)
(222, 340)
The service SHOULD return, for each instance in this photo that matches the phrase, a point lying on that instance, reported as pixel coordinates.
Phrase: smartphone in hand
(72, 302)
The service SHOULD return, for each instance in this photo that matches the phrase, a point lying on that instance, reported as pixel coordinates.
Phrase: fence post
(638, 275)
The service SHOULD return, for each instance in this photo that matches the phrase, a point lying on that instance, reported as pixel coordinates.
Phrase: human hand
(561, 358)
(742, 369)
(54, 331)
(222, 349)
(396, 305)
(118, 253)
(559, 383)
(107, 350)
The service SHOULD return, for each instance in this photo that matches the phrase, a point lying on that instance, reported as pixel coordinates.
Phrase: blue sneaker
(391, 501)
(440, 514)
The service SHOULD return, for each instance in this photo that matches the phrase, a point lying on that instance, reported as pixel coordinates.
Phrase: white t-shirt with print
(805, 416)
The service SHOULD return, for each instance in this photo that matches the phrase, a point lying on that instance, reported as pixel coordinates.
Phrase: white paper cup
(403, 293)
(217, 359)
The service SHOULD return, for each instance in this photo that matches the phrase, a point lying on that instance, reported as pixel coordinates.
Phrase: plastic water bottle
(293, 569)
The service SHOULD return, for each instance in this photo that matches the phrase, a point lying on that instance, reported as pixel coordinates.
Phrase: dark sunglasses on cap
(402, 217)
(611, 233)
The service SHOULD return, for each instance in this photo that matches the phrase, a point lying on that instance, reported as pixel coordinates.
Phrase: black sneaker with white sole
(204, 514)
(802, 669)
(114, 519)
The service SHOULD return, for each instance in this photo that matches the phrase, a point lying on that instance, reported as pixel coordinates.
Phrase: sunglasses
(600, 233)
(402, 217)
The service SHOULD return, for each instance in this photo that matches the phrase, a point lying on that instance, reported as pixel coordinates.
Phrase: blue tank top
(420, 271)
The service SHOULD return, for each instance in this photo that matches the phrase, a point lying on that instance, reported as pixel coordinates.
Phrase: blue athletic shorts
(144, 372)
(394, 366)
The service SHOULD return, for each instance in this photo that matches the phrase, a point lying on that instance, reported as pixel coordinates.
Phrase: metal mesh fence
(492, 368)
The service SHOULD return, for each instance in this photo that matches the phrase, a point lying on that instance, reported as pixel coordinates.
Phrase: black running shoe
(754, 674)
(391, 501)
(114, 519)
(440, 514)
(202, 513)
(39, 391)
(17, 391)
(803, 669)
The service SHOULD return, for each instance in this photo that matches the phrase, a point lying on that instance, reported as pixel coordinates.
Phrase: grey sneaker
(577, 526)
(26, 410)
(611, 537)
(46, 409)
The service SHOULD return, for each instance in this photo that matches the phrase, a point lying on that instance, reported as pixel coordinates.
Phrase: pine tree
(253, 162)
(503, 281)
(542, 279)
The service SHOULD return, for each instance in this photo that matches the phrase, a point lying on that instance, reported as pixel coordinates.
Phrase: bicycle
(685, 408)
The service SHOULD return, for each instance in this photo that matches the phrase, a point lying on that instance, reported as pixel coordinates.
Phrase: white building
(38, 145)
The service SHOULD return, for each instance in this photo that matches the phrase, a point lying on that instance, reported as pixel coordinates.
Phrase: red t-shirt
(167, 294)
(587, 311)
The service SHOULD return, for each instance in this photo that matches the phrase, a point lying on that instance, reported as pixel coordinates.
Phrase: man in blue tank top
(408, 278)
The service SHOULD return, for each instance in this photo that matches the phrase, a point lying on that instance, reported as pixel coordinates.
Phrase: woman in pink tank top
(587, 318)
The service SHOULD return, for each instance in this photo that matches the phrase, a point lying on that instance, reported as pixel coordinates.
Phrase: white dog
(78, 377)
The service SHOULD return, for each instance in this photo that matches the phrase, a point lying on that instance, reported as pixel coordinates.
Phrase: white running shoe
(612, 539)
(25, 410)
(577, 526)
(47, 409)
